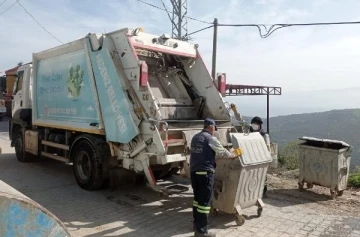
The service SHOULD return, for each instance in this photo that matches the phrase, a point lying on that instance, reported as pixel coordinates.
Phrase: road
(139, 211)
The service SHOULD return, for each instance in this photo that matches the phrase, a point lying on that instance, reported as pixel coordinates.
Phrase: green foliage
(354, 178)
(289, 157)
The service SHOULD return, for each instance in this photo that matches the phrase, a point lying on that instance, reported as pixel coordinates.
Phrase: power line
(268, 32)
(162, 9)
(197, 31)
(38, 22)
(275, 27)
(2, 3)
(8, 7)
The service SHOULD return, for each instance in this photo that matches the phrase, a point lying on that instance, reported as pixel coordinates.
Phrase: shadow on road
(292, 197)
(136, 211)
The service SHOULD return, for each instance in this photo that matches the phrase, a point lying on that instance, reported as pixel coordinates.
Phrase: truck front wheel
(87, 166)
(21, 155)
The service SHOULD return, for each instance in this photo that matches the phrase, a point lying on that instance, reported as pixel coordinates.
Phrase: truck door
(17, 101)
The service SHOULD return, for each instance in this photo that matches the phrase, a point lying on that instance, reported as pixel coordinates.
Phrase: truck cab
(21, 103)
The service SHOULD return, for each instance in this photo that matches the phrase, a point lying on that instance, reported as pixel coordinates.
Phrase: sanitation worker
(256, 126)
(204, 148)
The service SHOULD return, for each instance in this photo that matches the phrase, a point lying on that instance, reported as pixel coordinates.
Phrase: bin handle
(349, 151)
(345, 169)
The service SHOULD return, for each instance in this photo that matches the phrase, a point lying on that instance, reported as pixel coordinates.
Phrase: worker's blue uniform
(204, 148)
(202, 168)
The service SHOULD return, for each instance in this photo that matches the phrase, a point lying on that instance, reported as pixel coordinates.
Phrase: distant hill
(298, 102)
(336, 124)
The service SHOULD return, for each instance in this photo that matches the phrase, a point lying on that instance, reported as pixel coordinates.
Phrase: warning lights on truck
(144, 74)
(222, 83)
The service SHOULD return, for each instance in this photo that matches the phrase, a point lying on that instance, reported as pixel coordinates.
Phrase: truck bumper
(163, 160)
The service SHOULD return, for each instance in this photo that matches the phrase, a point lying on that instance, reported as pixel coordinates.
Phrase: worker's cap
(209, 121)
(257, 120)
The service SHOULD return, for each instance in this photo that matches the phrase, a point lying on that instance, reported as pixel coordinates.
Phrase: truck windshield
(18, 82)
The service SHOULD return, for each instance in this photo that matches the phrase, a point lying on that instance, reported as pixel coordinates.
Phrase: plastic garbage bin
(324, 162)
(239, 182)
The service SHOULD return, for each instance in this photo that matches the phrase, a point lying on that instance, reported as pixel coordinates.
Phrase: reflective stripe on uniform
(204, 208)
(195, 204)
(201, 173)
(203, 211)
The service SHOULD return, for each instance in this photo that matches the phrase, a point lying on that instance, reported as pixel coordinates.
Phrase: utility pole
(213, 68)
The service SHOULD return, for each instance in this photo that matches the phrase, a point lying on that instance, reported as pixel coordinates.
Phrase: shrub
(289, 157)
(354, 178)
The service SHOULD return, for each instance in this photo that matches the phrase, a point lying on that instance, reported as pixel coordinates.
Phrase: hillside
(336, 124)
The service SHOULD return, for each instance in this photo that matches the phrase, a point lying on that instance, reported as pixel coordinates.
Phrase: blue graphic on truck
(75, 81)
(115, 109)
(64, 91)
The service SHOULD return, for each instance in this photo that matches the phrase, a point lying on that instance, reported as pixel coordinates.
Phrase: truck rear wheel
(87, 165)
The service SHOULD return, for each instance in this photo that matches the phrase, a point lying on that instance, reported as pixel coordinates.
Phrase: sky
(296, 58)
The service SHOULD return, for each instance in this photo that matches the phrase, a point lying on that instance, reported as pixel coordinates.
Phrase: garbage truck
(125, 100)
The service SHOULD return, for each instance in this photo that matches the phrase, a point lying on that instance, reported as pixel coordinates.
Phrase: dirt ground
(284, 186)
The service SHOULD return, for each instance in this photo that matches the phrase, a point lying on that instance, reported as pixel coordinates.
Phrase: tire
(21, 155)
(88, 156)
(240, 220)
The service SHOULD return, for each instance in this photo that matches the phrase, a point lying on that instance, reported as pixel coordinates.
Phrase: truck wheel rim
(83, 165)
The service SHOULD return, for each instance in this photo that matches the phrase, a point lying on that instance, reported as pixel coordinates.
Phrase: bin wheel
(259, 211)
(333, 194)
(340, 193)
(214, 212)
(301, 186)
(309, 186)
(240, 220)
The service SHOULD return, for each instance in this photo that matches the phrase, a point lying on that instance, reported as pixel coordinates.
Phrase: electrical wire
(197, 31)
(38, 22)
(17, 1)
(162, 9)
(2, 3)
(268, 32)
(276, 27)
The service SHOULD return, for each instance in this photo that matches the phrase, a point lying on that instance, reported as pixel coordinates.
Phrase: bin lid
(318, 141)
(254, 148)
